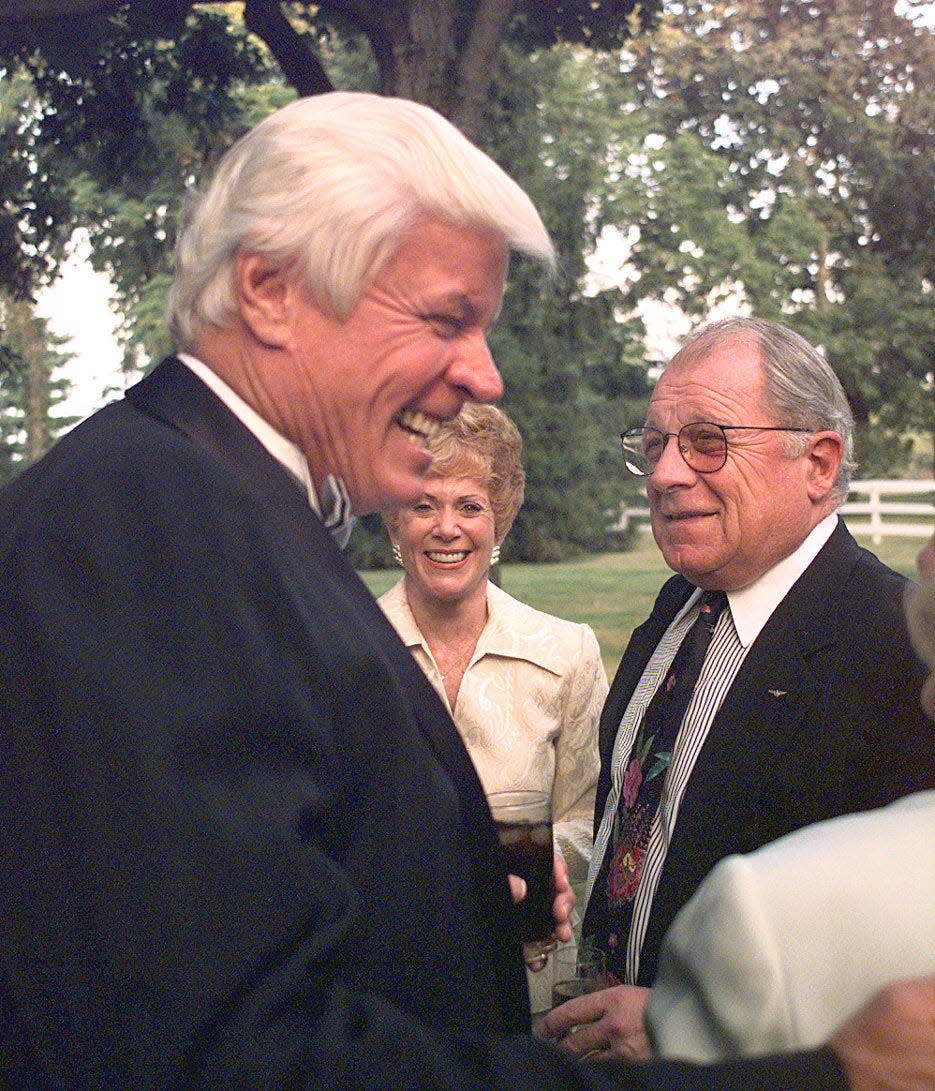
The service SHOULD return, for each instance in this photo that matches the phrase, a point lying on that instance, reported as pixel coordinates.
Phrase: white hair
(328, 186)
(801, 389)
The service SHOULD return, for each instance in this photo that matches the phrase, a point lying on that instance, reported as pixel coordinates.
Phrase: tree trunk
(420, 62)
(822, 302)
(478, 60)
(38, 395)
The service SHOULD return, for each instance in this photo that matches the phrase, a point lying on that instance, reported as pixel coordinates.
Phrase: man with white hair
(242, 843)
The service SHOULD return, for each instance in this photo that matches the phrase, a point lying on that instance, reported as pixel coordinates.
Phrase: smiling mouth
(446, 558)
(418, 426)
(679, 516)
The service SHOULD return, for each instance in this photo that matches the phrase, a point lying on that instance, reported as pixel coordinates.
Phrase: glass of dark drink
(576, 972)
(524, 826)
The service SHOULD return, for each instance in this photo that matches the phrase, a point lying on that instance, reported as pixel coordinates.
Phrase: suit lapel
(777, 685)
(175, 395)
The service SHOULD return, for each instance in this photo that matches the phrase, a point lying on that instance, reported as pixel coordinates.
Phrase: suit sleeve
(812, 1070)
(172, 794)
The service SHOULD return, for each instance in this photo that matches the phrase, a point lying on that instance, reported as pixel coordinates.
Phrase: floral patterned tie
(610, 909)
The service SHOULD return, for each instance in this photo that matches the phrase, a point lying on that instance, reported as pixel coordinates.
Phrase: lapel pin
(778, 692)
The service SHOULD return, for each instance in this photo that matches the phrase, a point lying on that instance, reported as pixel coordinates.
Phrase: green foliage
(773, 152)
(33, 206)
(30, 356)
(130, 126)
(369, 545)
(573, 371)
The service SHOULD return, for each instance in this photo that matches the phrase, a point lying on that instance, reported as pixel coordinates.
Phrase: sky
(77, 307)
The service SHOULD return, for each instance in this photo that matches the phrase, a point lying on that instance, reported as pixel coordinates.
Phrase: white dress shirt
(285, 452)
(334, 507)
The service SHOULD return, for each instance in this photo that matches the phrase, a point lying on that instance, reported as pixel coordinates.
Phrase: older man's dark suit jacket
(822, 719)
(241, 843)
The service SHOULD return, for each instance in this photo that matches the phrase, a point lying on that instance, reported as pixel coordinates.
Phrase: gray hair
(328, 186)
(801, 389)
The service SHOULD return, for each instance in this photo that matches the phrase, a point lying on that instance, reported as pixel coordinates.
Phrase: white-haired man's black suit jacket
(822, 719)
(241, 842)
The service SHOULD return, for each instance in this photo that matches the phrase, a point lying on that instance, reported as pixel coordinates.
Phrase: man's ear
(823, 455)
(265, 298)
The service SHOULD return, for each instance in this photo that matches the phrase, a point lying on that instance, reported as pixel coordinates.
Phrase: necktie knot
(712, 606)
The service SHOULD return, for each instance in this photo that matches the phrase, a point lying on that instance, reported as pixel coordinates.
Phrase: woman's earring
(495, 556)
(398, 555)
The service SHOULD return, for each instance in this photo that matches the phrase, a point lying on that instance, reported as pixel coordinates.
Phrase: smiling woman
(525, 688)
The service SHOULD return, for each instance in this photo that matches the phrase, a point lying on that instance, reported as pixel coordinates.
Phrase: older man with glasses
(772, 686)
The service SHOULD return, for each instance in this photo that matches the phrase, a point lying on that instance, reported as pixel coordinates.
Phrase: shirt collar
(334, 508)
(396, 607)
(511, 631)
(516, 631)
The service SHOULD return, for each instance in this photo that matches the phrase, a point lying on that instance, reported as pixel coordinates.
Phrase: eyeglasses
(702, 444)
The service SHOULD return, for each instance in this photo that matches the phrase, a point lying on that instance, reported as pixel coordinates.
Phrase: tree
(29, 356)
(178, 84)
(183, 102)
(573, 369)
(28, 255)
(792, 163)
(442, 53)
(34, 225)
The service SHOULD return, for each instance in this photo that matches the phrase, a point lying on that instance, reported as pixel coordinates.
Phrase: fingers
(606, 1025)
(632, 1047)
(575, 1013)
(564, 901)
(517, 888)
(535, 957)
(561, 912)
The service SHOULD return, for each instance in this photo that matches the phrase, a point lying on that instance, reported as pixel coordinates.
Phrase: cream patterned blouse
(528, 708)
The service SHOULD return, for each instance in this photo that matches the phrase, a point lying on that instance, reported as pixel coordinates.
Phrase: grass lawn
(614, 592)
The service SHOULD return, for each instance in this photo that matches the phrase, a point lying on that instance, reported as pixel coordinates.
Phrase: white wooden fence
(885, 518)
